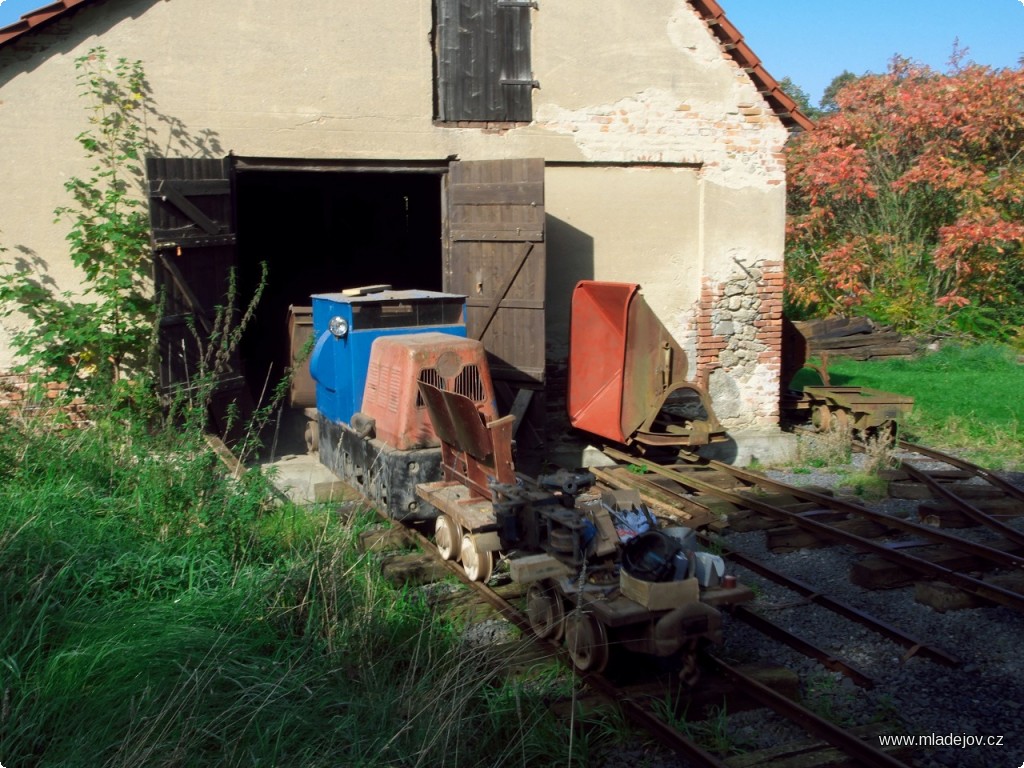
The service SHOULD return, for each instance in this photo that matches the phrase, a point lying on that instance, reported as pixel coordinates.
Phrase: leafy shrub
(91, 337)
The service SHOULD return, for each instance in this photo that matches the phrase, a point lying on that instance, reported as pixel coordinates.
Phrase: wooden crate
(659, 595)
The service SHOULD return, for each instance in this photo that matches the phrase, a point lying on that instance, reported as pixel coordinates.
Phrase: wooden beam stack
(855, 337)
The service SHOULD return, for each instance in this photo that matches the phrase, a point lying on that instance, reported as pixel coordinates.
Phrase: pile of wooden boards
(855, 337)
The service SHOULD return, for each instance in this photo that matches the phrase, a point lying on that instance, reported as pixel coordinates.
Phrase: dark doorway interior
(321, 232)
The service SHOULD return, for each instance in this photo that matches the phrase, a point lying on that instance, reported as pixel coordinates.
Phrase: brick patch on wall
(739, 345)
(20, 399)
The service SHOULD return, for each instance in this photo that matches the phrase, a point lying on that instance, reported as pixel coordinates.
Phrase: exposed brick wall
(739, 345)
(734, 145)
(19, 399)
(721, 122)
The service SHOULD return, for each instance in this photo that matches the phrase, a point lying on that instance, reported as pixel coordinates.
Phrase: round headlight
(338, 327)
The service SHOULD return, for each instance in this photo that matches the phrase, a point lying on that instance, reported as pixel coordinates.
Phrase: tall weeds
(155, 612)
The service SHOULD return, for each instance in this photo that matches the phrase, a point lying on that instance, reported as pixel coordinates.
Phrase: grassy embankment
(156, 613)
(967, 400)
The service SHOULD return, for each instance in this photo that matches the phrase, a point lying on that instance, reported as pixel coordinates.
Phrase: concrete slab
(304, 480)
(769, 447)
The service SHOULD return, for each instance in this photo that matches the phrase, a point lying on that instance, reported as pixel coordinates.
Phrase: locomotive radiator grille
(469, 384)
(433, 378)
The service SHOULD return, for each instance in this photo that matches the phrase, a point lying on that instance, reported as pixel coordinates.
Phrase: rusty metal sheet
(457, 421)
(597, 357)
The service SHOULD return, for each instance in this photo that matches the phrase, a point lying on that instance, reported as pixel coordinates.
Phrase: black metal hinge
(531, 83)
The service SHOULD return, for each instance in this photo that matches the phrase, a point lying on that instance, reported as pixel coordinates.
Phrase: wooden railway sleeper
(808, 592)
(977, 587)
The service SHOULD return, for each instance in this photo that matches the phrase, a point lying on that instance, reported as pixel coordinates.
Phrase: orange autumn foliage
(908, 201)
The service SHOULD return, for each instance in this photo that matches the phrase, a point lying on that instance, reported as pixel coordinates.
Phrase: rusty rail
(939, 490)
(977, 587)
(1006, 487)
(666, 734)
(914, 646)
(809, 721)
(996, 556)
(766, 626)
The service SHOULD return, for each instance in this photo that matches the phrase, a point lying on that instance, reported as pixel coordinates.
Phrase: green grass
(155, 613)
(969, 400)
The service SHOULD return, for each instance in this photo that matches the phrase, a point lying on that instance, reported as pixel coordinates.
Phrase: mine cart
(628, 378)
(857, 408)
(829, 406)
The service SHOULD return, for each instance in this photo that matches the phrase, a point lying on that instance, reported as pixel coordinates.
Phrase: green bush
(95, 336)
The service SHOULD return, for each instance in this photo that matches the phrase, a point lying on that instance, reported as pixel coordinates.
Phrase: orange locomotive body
(390, 444)
(397, 365)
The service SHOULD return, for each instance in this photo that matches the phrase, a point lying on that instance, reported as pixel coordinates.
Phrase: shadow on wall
(173, 139)
(181, 143)
(64, 36)
(67, 36)
(570, 258)
(179, 140)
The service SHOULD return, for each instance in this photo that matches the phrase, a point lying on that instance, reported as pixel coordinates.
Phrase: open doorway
(321, 226)
(321, 232)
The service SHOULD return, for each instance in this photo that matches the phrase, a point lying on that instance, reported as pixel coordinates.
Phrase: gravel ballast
(947, 711)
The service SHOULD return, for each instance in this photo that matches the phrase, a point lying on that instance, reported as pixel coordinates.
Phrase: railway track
(644, 704)
(828, 517)
(645, 708)
(952, 489)
(812, 594)
(706, 488)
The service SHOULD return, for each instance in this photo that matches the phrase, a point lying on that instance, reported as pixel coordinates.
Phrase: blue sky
(11, 10)
(812, 41)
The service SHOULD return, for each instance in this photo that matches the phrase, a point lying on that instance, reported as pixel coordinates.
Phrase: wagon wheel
(448, 537)
(478, 563)
(545, 611)
(841, 419)
(821, 418)
(689, 672)
(587, 642)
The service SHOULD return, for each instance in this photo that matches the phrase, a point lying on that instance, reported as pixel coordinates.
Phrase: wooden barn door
(495, 256)
(194, 255)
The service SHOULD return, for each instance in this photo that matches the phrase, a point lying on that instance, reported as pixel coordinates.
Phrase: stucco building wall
(664, 163)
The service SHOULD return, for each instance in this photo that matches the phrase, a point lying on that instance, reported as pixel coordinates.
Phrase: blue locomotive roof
(414, 295)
